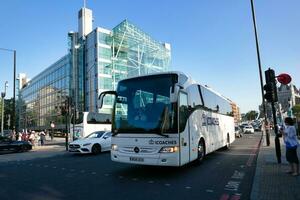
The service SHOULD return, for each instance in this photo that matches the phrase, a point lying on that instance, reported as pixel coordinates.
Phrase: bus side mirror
(174, 91)
(102, 95)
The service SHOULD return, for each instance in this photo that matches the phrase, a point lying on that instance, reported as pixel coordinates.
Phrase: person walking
(291, 143)
(32, 138)
(42, 137)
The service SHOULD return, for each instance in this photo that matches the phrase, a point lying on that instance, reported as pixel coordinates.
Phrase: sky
(212, 40)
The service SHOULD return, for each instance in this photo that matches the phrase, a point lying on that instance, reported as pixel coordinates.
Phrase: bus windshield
(143, 105)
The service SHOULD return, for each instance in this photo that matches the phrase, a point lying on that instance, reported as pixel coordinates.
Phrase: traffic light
(270, 86)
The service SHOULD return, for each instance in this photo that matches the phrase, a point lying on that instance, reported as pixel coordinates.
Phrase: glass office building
(40, 98)
(97, 59)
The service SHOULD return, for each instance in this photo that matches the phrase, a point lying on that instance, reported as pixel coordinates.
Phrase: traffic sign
(284, 78)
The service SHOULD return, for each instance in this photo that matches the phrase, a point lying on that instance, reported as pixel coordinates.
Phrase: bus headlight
(114, 147)
(168, 149)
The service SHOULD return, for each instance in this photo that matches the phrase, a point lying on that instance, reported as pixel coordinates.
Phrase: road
(224, 175)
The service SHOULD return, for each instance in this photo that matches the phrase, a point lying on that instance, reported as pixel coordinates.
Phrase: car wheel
(96, 149)
(22, 148)
(201, 151)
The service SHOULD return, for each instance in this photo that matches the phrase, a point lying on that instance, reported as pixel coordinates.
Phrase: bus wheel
(96, 149)
(201, 150)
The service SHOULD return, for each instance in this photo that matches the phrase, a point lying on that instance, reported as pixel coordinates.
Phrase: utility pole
(3, 94)
(260, 73)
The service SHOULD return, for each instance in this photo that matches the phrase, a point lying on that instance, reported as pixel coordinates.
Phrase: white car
(95, 143)
(248, 129)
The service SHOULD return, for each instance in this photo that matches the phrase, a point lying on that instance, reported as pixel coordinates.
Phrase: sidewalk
(51, 148)
(270, 180)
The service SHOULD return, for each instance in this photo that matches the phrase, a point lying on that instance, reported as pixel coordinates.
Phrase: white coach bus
(89, 122)
(167, 119)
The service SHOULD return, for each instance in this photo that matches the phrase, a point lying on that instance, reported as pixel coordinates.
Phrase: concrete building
(288, 96)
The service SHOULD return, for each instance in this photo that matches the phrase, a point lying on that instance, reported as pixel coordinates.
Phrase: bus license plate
(136, 159)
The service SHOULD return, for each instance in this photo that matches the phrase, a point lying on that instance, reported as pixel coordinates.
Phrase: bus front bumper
(160, 159)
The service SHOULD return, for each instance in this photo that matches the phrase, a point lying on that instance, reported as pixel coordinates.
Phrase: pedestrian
(42, 137)
(32, 137)
(19, 136)
(291, 143)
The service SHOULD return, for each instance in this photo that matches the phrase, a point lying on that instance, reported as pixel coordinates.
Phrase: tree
(296, 110)
(251, 115)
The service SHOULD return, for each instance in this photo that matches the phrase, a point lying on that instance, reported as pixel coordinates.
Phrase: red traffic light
(284, 78)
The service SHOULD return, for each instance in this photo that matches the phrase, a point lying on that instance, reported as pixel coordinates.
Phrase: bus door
(184, 135)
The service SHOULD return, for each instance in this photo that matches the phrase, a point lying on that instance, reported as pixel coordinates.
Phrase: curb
(258, 171)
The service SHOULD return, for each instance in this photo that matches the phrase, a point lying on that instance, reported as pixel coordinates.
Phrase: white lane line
(208, 190)
(167, 184)
(63, 168)
(106, 174)
(188, 187)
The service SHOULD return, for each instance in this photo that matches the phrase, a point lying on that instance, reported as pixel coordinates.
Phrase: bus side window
(195, 97)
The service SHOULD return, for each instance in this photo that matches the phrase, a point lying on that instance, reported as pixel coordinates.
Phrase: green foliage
(296, 110)
(251, 115)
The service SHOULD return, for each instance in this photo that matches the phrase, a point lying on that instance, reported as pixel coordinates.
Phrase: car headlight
(86, 144)
(168, 149)
(114, 147)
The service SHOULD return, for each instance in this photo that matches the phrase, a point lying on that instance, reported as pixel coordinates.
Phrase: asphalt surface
(224, 174)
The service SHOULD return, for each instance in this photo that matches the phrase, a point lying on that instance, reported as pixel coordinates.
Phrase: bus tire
(227, 146)
(96, 149)
(201, 150)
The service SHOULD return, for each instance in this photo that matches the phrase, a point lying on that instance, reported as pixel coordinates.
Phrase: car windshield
(143, 105)
(97, 134)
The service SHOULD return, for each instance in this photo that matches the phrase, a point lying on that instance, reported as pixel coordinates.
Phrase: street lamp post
(14, 85)
(260, 72)
(2, 114)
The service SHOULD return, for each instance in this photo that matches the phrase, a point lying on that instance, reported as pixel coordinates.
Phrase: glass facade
(124, 52)
(96, 62)
(41, 98)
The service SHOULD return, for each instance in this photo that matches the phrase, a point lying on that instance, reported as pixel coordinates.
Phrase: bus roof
(183, 80)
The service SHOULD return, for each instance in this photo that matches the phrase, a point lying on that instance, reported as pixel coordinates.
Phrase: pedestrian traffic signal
(270, 86)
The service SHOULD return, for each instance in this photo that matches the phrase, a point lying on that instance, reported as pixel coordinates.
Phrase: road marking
(208, 190)
(188, 187)
(63, 168)
(106, 174)
(94, 173)
(167, 184)
(238, 175)
(150, 182)
(54, 167)
(82, 171)
(232, 185)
